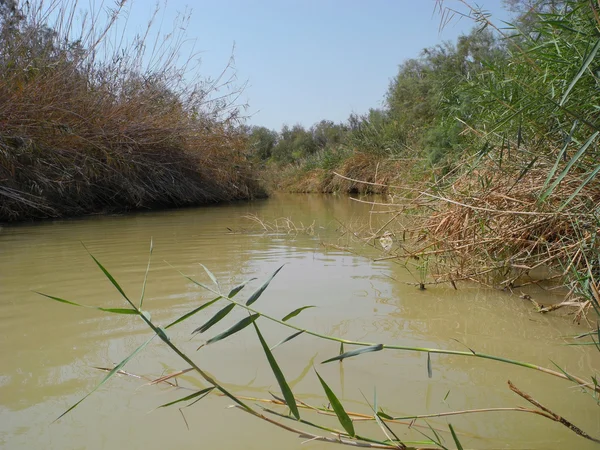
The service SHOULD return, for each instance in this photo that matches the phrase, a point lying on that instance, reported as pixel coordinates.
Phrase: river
(49, 351)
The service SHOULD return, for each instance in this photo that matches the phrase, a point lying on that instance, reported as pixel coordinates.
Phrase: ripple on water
(48, 350)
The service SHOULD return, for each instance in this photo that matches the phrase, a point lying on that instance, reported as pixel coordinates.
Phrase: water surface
(48, 351)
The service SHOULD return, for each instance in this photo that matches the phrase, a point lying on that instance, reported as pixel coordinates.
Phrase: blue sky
(307, 60)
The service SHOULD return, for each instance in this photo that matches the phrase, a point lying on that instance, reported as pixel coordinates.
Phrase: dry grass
(281, 225)
(488, 225)
(296, 180)
(80, 134)
(362, 173)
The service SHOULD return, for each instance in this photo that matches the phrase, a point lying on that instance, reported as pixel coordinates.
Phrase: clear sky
(307, 60)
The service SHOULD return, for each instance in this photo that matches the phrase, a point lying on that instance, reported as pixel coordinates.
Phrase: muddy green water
(48, 350)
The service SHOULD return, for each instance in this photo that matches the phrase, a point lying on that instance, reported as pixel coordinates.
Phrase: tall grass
(94, 119)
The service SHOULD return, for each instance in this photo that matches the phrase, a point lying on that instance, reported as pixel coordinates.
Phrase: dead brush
(367, 167)
(489, 226)
(84, 129)
(282, 225)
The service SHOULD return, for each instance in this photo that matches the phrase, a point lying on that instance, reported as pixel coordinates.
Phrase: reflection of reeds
(297, 408)
(92, 122)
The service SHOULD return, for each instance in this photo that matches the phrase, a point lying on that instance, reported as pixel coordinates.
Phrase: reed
(517, 205)
(93, 121)
(524, 199)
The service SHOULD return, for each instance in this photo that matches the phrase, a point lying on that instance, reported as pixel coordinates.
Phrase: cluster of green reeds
(93, 118)
(297, 416)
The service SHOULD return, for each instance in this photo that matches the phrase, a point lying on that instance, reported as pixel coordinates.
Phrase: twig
(551, 415)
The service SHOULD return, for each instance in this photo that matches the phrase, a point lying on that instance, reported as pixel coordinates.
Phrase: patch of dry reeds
(362, 173)
(282, 225)
(83, 132)
(489, 225)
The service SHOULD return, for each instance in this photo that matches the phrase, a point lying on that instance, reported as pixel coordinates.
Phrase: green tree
(294, 143)
(262, 141)
(377, 132)
(326, 133)
(430, 93)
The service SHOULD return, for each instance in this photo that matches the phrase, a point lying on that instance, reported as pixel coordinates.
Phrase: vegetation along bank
(488, 147)
(88, 125)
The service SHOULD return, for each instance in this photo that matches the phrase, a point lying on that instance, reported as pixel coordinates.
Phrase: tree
(327, 133)
(294, 143)
(262, 141)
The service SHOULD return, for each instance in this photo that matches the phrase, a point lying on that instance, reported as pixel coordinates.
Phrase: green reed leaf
(261, 289)
(545, 194)
(194, 311)
(560, 156)
(437, 440)
(429, 370)
(581, 71)
(384, 426)
(146, 275)
(197, 283)
(108, 376)
(119, 310)
(239, 287)
(283, 384)
(191, 313)
(203, 393)
(590, 177)
(360, 351)
(455, 437)
(384, 415)
(212, 277)
(289, 338)
(337, 407)
(109, 310)
(234, 329)
(214, 319)
(295, 312)
(110, 278)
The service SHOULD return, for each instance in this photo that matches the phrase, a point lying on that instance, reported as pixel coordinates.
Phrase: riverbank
(489, 145)
(359, 173)
(84, 129)
(472, 222)
(43, 179)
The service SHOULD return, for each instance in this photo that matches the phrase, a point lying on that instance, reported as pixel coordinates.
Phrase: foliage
(426, 96)
(309, 156)
(518, 134)
(261, 142)
(377, 133)
(423, 103)
(328, 134)
(505, 124)
(546, 95)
